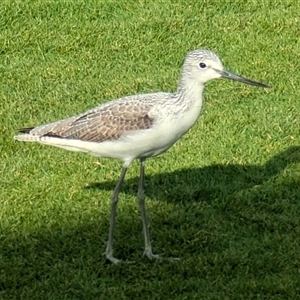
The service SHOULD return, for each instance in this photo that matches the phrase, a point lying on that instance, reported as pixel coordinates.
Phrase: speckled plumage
(136, 127)
(104, 123)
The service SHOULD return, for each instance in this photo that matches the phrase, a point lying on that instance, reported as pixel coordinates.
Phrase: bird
(137, 127)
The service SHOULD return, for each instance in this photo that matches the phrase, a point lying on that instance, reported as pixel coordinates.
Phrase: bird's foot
(114, 260)
(150, 255)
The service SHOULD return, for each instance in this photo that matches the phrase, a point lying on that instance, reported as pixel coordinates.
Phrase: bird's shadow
(207, 183)
(78, 247)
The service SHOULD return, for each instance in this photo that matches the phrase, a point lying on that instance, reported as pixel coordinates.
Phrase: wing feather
(107, 122)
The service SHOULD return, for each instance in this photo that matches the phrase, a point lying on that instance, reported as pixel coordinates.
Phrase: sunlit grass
(225, 198)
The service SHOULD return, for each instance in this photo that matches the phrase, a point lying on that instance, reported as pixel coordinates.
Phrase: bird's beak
(226, 74)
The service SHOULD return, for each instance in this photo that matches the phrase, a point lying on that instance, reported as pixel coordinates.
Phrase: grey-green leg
(112, 221)
(141, 202)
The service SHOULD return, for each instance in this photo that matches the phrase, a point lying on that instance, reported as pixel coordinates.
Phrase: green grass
(225, 198)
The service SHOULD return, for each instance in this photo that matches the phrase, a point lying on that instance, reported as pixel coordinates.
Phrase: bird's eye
(202, 65)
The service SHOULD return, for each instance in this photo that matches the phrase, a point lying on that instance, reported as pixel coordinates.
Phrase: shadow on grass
(226, 222)
(208, 183)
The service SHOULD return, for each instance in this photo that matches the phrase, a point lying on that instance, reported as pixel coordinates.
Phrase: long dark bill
(226, 74)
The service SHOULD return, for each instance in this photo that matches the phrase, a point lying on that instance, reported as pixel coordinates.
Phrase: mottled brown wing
(104, 123)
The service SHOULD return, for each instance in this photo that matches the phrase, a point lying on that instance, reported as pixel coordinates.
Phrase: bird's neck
(185, 107)
(189, 93)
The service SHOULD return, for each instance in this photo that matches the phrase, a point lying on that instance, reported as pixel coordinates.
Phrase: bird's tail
(25, 136)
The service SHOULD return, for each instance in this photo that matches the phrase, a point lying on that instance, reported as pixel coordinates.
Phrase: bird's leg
(141, 202)
(112, 221)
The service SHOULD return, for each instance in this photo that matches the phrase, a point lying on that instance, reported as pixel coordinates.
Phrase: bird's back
(108, 121)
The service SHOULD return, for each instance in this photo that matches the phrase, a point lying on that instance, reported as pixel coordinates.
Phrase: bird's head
(204, 65)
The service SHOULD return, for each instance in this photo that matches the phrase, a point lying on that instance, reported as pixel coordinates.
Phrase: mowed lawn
(225, 199)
